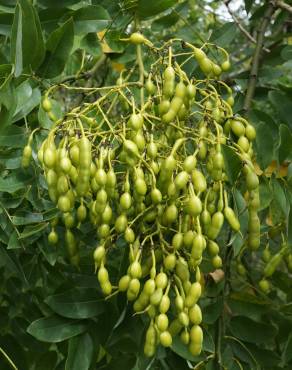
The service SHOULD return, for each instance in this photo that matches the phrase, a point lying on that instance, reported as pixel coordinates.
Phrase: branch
(240, 26)
(87, 74)
(284, 6)
(256, 57)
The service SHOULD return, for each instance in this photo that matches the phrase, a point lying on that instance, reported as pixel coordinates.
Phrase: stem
(87, 74)
(141, 72)
(218, 344)
(256, 57)
(284, 6)
(140, 64)
(240, 26)
(8, 359)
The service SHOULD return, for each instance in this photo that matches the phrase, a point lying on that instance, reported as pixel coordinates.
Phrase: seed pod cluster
(154, 176)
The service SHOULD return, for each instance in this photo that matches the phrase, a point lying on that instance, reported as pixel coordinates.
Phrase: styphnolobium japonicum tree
(145, 152)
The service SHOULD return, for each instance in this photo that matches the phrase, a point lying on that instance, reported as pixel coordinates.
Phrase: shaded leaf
(92, 18)
(32, 230)
(242, 307)
(90, 43)
(13, 241)
(13, 137)
(285, 144)
(258, 116)
(242, 213)
(227, 357)
(11, 160)
(225, 34)
(286, 53)
(78, 303)
(279, 196)
(233, 164)
(248, 5)
(251, 331)
(25, 218)
(282, 104)
(27, 44)
(266, 358)
(166, 21)
(287, 353)
(51, 17)
(47, 361)
(57, 3)
(112, 38)
(8, 102)
(264, 138)
(59, 46)
(265, 194)
(213, 310)
(122, 362)
(80, 353)
(15, 181)
(55, 329)
(8, 259)
(289, 226)
(149, 8)
(26, 104)
(50, 254)
(5, 23)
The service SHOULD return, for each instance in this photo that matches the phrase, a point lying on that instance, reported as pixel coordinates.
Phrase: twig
(281, 4)
(8, 359)
(140, 64)
(256, 57)
(240, 26)
(219, 335)
(12, 224)
(87, 74)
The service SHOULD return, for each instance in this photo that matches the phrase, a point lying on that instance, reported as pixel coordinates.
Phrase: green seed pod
(264, 286)
(183, 318)
(177, 241)
(156, 297)
(169, 262)
(190, 163)
(124, 283)
(188, 238)
(194, 206)
(231, 218)
(162, 322)
(164, 304)
(165, 339)
(195, 315)
(99, 254)
(199, 244)
(181, 180)
(46, 104)
(271, 266)
(217, 262)
(196, 334)
(237, 128)
(53, 237)
(199, 181)
(161, 280)
(121, 223)
(182, 270)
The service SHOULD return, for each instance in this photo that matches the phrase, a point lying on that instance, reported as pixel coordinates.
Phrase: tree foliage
(53, 315)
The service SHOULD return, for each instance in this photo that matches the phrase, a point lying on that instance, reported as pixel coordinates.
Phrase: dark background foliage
(52, 315)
